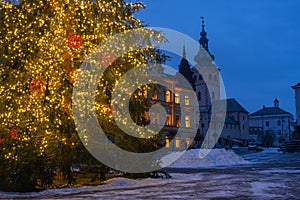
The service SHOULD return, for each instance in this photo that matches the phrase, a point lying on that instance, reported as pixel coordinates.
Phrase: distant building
(297, 100)
(236, 126)
(270, 126)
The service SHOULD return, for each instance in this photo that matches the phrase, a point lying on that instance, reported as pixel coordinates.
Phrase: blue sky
(256, 43)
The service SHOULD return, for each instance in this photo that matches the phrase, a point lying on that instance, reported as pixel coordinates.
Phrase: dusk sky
(256, 43)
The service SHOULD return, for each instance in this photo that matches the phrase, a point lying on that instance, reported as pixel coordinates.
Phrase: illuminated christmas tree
(42, 45)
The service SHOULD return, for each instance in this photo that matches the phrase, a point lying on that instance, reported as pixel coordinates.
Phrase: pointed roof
(184, 67)
(203, 39)
(234, 106)
(183, 52)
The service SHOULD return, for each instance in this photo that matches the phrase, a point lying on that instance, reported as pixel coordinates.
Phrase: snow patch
(193, 159)
(271, 150)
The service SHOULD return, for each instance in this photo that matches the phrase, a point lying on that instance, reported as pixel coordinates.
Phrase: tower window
(210, 77)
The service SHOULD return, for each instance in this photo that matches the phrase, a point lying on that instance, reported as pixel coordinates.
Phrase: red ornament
(1, 140)
(107, 59)
(13, 134)
(75, 40)
(107, 109)
(53, 5)
(73, 75)
(37, 86)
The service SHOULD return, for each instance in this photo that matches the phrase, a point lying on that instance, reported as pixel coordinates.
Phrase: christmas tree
(42, 45)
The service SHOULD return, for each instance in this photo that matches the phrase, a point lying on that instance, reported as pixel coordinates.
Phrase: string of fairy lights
(42, 45)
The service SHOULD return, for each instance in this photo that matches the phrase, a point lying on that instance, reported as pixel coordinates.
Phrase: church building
(206, 86)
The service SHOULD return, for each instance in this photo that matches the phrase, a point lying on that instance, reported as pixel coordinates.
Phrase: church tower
(207, 81)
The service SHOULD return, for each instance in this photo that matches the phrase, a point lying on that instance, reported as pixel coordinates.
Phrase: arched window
(167, 142)
(187, 121)
(213, 95)
(187, 100)
(168, 96)
(210, 77)
(177, 98)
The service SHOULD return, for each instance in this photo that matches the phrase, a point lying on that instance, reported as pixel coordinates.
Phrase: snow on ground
(271, 150)
(192, 159)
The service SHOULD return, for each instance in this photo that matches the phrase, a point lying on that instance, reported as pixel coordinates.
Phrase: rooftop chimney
(276, 103)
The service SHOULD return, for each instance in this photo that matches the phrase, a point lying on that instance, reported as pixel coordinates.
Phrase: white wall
(285, 126)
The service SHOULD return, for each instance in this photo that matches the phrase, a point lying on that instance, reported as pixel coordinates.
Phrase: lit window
(177, 98)
(154, 95)
(143, 91)
(168, 96)
(187, 142)
(177, 142)
(187, 100)
(167, 142)
(177, 120)
(168, 120)
(187, 121)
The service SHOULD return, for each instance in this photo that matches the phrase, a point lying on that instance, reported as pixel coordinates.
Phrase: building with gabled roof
(270, 126)
(236, 126)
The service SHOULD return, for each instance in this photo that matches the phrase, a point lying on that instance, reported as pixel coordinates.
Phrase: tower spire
(184, 67)
(203, 39)
(183, 52)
